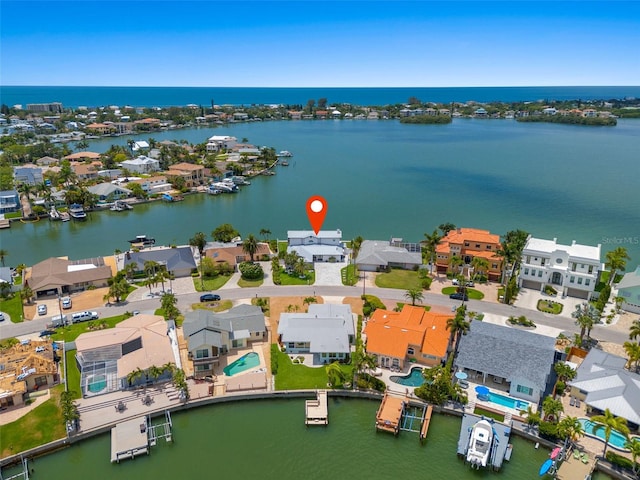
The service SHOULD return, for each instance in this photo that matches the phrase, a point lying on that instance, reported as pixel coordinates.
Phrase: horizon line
(328, 87)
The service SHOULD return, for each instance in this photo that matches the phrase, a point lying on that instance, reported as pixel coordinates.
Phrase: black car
(47, 333)
(209, 297)
(459, 296)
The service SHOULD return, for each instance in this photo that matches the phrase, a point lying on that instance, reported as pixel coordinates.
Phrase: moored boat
(77, 212)
(284, 153)
(480, 441)
(225, 187)
(143, 240)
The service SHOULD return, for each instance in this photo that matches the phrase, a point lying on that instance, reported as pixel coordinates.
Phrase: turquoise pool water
(507, 401)
(245, 362)
(413, 379)
(616, 440)
(97, 384)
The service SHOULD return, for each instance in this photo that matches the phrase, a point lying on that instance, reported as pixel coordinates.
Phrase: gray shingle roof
(608, 385)
(174, 258)
(380, 252)
(507, 352)
(236, 320)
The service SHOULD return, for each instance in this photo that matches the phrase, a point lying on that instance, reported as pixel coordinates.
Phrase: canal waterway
(268, 440)
(384, 179)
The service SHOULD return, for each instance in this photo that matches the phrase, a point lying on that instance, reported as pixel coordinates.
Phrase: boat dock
(134, 437)
(21, 475)
(425, 423)
(500, 449)
(576, 466)
(390, 413)
(316, 411)
(402, 413)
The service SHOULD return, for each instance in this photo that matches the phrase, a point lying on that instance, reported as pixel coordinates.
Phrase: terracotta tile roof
(229, 254)
(461, 235)
(186, 166)
(391, 333)
(81, 155)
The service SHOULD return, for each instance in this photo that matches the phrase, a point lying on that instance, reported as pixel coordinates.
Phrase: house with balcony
(573, 270)
(508, 359)
(219, 143)
(86, 171)
(141, 164)
(101, 128)
(326, 246)
(210, 335)
(9, 201)
(193, 174)
(629, 290)
(326, 331)
(413, 335)
(469, 243)
(155, 184)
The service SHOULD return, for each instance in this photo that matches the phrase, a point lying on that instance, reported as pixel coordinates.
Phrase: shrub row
(274, 358)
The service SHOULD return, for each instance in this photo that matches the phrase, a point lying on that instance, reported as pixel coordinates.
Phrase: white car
(66, 302)
(42, 309)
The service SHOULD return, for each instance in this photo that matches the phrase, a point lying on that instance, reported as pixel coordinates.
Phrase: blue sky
(319, 44)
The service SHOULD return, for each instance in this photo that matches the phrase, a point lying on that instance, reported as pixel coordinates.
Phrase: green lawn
(286, 279)
(73, 373)
(549, 306)
(397, 278)
(70, 332)
(220, 306)
(210, 283)
(604, 279)
(488, 414)
(282, 246)
(292, 377)
(471, 293)
(42, 425)
(349, 275)
(13, 307)
(250, 283)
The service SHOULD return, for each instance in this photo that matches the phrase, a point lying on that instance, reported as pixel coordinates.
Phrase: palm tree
(199, 241)
(616, 260)
(26, 294)
(335, 375)
(134, 375)
(309, 300)
(154, 372)
(117, 288)
(634, 330)
(414, 295)
(431, 243)
(633, 351)
(130, 269)
(455, 262)
(446, 228)
(3, 253)
(458, 326)
(552, 408)
(264, 233)
(533, 417)
(633, 445)
(609, 422)
(480, 265)
(250, 246)
(570, 428)
(356, 244)
(586, 316)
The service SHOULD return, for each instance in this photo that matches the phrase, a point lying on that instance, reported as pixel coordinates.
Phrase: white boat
(480, 442)
(143, 240)
(240, 180)
(119, 206)
(54, 214)
(284, 153)
(225, 187)
(211, 190)
(77, 212)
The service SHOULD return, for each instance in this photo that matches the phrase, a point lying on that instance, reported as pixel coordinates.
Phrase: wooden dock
(4, 223)
(316, 411)
(500, 445)
(390, 413)
(575, 467)
(129, 439)
(425, 423)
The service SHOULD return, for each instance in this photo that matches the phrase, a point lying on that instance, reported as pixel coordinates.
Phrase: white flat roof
(310, 233)
(574, 250)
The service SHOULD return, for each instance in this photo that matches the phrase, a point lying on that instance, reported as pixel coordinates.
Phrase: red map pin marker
(316, 211)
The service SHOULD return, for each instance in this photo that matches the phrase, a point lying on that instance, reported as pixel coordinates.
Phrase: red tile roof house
(469, 243)
(234, 255)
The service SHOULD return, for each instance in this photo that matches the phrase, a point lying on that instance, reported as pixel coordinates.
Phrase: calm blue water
(177, 96)
(245, 362)
(508, 401)
(616, 439)
(384, 179)
(414, 379)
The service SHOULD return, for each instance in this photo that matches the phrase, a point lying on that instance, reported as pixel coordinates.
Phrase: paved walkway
(12, 414)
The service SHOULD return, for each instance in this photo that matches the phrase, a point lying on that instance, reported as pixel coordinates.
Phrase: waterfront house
(602, 382)
(233, 254)
(295, 115)
(141, 164)
(326, 246)
(412, 335)
(179, 260)
(146, 124)
(86, 171)
(82, 156)
(629, 290)
(219, 143)
(155, 184)
(469, 243)
(100, 128)
(9, 201)
(46, 161)
(326, 331)
(377, 255)
(106, 357)
(27, 174)
(510, 359)
(108, 192)
(193, 174)
(571, 269)
(210, 334)
(58, 276)
(26, 367)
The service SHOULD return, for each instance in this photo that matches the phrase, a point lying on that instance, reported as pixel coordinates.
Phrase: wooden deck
(575, 468)
(316, 411)
(390, 413)
(129, 439)
(425, 423)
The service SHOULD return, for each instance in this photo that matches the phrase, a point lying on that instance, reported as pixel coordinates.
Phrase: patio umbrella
(461, 375)
(482, 390)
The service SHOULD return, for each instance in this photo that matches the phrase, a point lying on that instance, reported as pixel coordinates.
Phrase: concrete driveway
(528, 298)
(328, 274)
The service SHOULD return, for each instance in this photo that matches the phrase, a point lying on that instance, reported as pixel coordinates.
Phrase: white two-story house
(326, 246)
(573, 270)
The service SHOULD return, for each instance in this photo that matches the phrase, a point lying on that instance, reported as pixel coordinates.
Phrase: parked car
(470, 283)
(1, 317)
(209, 297)
(42, 309)
(454, 281)
(83, 316)
(459, 296)
(66, 302)
(47, 333)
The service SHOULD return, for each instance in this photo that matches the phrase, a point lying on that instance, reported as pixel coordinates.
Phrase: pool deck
(129, 439)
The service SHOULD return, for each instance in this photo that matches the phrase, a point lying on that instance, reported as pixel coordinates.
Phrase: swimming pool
(616, 440)
(413, 379)
(97, 383)
(508, 402)
(250, 360)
